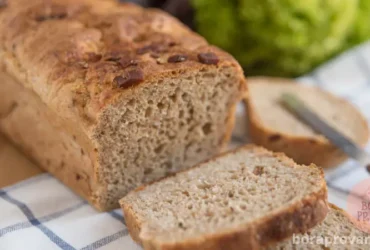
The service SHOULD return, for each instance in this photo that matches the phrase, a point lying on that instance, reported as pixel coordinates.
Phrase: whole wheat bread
(275, 128)
(108, 96)
(245, 199)
(338, 230)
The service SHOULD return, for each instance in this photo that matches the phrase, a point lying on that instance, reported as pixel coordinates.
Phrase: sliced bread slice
(336, 232)
(244, 199)
(275, 128)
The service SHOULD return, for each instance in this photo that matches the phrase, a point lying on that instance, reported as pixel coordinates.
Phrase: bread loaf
(243, 200)
(272, 126)
(109, 96)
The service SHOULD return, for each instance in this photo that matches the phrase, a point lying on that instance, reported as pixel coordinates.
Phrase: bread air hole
(148, 112)
(181, 225)
(159, 149)
(148, 171)
(173, 97)
(207, 128)
(160, 106)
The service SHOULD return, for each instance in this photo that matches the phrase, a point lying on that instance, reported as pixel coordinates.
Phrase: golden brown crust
(300, 217)
(302, 149)
(45, 141)
(133, 223)
(84, 45)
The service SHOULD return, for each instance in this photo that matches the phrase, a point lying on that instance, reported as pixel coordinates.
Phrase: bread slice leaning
(245, 199)
(336, 224)
(275, 128)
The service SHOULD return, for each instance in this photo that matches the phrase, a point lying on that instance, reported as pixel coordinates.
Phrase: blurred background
(275, 37)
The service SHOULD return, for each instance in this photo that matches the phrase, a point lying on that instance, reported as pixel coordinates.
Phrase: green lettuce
(283, 37)
(361, 28)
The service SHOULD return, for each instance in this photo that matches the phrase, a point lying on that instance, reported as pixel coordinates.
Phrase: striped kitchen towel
(41, 213)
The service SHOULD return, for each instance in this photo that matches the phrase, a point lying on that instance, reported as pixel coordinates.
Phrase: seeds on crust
(129, 79)
(93, 57)
(154, 55)
(208, 58)
(144, 50)
(157, 48)
(177, 58)
(113, 56)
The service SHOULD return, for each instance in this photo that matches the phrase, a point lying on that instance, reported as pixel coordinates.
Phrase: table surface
(14, 166)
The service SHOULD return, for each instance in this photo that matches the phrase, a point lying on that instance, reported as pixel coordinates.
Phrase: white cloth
(41, 213)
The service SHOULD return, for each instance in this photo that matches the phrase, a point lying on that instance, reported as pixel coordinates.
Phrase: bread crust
(298, 218)
(64, 153)
(63, 53)
(302, 149)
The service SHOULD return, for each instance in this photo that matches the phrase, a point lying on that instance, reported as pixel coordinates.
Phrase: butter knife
(300, 109)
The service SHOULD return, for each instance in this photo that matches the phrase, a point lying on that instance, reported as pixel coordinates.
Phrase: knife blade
(303, 112)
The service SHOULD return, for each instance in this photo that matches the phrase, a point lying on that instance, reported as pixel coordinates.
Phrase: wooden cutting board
(14, 166)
